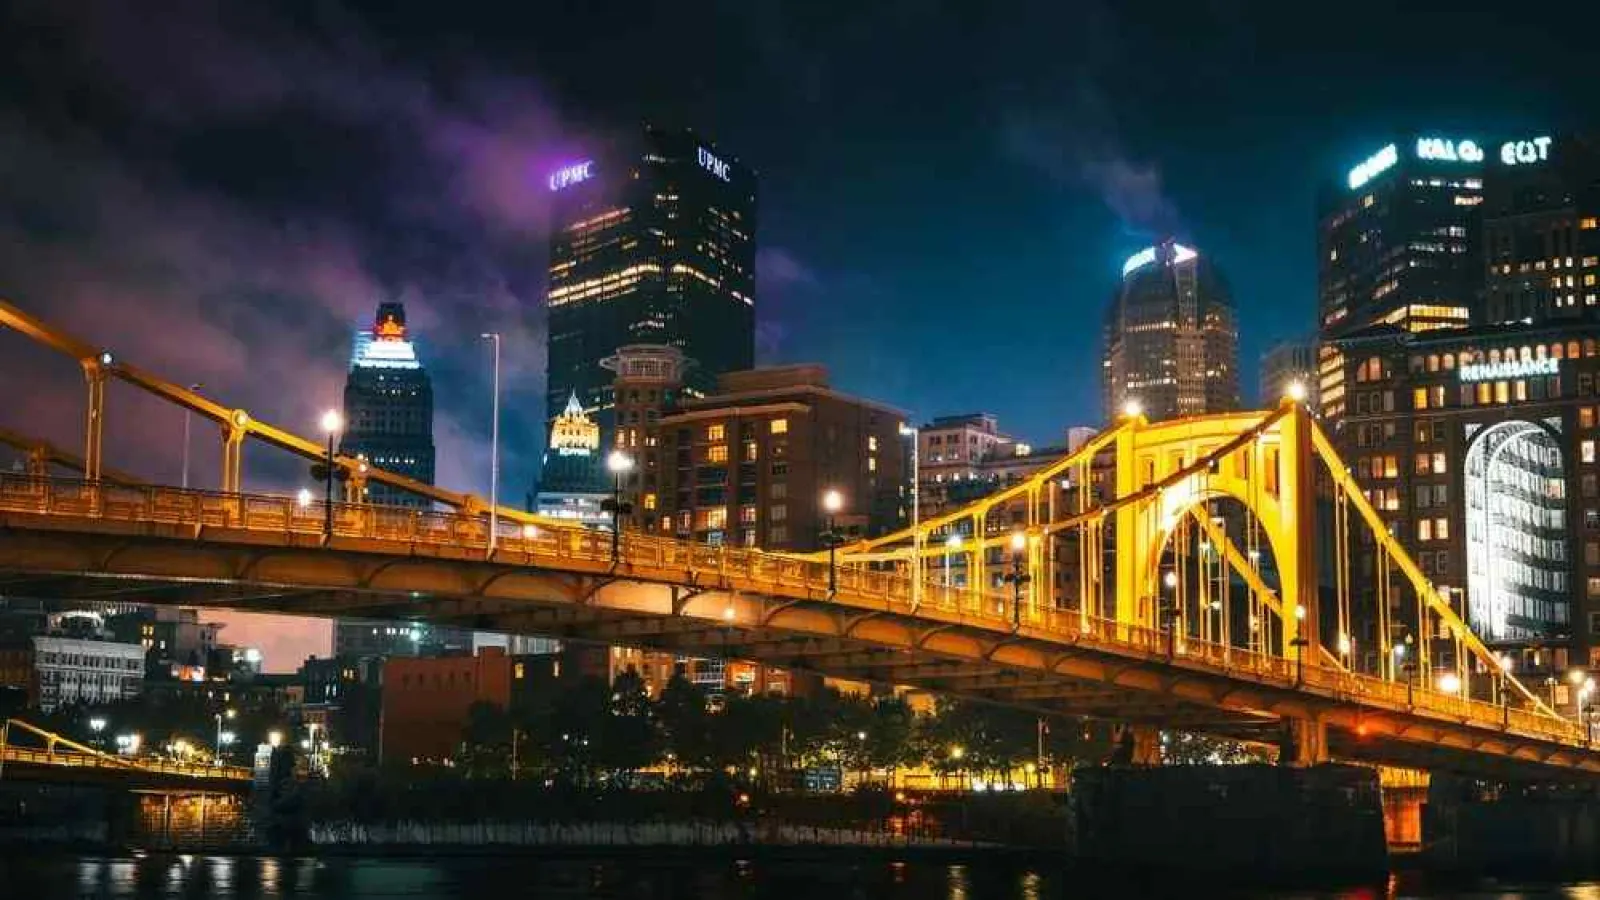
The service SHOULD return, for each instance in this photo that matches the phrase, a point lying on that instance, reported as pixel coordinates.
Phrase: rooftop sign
(1525, 368)
(567, 176)
(1373, 166)
(1147, 256)
(1518, 153)
(1444, 150)
(712, 164)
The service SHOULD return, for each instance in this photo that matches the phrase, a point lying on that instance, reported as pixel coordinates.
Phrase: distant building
(1398, 244)
(56, 671)
(749, 464)
(388, 406)
(654, 242)
(1289, 363)
(950, 451)
(1171, 340)
(573, 483)
(426, 702)
(345, 696)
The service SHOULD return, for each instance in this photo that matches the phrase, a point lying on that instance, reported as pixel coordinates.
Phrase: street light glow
(530, 531)
(619, 462)
(1576, 676)
(1019, 541)
(303, 498)
(274, 738)
(332, 422)
(832, 500)
(957, 751)
(97, 724)
(1449, 683)
(907, 430)
(1296, 391)
(1170, 579)
(953, 542)
(1132, 408)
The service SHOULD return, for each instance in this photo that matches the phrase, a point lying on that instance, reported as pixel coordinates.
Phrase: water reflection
(665, 876)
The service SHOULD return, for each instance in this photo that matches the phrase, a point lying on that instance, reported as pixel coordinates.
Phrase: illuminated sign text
(711, 164)
(566, 176)
(1525, 368)
(1180, 254)
(1515, 153)
(1448, 151)
(1373, 165)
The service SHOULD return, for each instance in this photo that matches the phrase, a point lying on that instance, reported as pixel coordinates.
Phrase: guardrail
(858, 585)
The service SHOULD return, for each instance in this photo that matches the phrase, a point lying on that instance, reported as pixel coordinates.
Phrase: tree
(629, 737)
(486, 741)
(685, 722)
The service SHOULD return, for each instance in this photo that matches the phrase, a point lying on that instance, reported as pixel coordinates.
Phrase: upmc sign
(712, 164)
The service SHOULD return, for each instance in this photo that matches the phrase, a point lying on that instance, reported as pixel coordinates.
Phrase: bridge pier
(1304, 743)
(1135, 745)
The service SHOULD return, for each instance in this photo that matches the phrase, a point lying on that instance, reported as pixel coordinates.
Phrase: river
(52, 876)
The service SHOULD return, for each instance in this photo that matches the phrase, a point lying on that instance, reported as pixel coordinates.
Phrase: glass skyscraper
(1171, 345)
(388, 406)
(654, 242)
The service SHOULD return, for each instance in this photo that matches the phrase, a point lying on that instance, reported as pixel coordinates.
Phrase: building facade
(1171, 342)
(55, 670)
(654, 242)
(749, 464)
(951, 449)
(1286, 367)
(427, 702)
(388, 406)
(573, 483)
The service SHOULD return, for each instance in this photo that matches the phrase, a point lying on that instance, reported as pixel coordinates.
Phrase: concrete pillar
(1304, 743)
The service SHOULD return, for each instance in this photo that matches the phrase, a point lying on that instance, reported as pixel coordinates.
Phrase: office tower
(1171, 345)
(654, 242)
(388, 406)
(573, 483)
(1287, 365)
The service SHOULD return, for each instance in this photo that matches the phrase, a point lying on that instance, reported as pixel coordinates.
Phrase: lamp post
(1169, 610)
(494, 443)
(1583, 700)
(952, 544)
(1017, 577)
(187, 414)
(97, 725)
(832, 502)
(227, 714)
(619, 463)
(332, 424)
(1300, 644)
(907, 431)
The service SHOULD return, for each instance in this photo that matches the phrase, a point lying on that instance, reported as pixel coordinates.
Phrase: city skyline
(224, 215)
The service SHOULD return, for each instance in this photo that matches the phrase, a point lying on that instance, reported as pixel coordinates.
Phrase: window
(777, 534)
(747, 515)
(1424, 463)
(717, 453)
(780, 469)
(1424, 529)
(872, 464)
(750, 450)
(1585, 417)
(715, 433)
(649, 501)
(779, 426)
(1441, 529)
(1586, 451)
(872, 443)
(1419, 397)
(778, 490)
(1440, 465)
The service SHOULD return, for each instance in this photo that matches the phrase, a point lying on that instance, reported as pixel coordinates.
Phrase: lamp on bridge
(1406, 666)
(1018, 577)
(1300, 644)
(1296, 391)
(332, 424)
(832, 502)
(952, 544)
(97, 725)
(228, 714)
(619, 463)
(1132, 408)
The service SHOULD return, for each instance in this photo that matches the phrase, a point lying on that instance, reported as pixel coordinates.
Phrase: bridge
(30, 753)
(1194, 574)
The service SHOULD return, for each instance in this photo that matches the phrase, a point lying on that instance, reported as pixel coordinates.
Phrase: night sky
(947, 190)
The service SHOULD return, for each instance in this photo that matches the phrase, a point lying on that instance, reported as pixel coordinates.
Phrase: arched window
(1433, 362)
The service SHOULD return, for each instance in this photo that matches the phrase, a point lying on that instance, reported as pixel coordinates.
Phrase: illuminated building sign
(567, 176)
(1448, 151)
(1517, 153)
(1373, 165)
(712, 164)
(1525, 368)
(1147, 256)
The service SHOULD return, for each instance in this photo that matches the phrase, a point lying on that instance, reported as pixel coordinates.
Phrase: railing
(666, 559)
(14, 755)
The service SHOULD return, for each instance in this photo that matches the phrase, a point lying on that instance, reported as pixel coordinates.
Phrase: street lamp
(1017, 577)
(832, 502)
(187, 414)
(619, 463)
(494, 442)
(1296, 391)
(303, 498)
(1449, 683)
(952, 544)
(332, 424)
(226, 714)
(1132, 408)
(274, 738)
(907, 431)
(1583, 699)
(1300, 644)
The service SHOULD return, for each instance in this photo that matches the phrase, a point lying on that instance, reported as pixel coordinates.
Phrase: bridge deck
(266, 553)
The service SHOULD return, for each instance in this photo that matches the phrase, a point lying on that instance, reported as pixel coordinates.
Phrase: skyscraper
(388, 406)
(654, 242)
(1171, 345)
(573, 483)
(388, 411)
(1286, 364)
(1398, 244)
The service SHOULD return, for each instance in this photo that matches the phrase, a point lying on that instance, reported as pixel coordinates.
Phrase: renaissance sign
(1505, 371)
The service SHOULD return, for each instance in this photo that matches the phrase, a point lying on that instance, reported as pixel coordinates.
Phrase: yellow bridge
(1193, 574)
(32, 753)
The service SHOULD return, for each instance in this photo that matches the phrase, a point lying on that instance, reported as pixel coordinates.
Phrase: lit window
(1587, 451)
(750, 450)
(1441, 529)
(1589, 224)
(1439, 464)
(780, 426)
(872, 464)
(778, 512)
(717, 453)
(649, 501)
(1425, 529)
(872, 443)
(714, 432)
